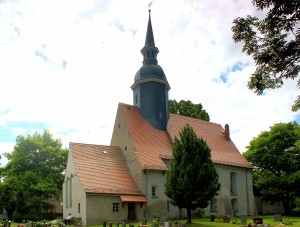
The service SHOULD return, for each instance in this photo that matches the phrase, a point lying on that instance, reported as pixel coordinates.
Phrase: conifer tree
(192, 181)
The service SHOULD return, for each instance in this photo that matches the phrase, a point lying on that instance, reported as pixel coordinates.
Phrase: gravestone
(258, 220)
(243, 219)
(226, 219)
(278, 217)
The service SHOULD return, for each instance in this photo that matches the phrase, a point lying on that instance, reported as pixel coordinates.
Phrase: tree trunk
(286, 203)
(189, 215)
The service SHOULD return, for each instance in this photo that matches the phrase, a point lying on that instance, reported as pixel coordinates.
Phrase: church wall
(103, 208)
(236, 194)
(158, 204)
(73, 194)
(122, 139)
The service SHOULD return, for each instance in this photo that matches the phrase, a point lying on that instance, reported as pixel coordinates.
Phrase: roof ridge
(195, 119)
(90, 144)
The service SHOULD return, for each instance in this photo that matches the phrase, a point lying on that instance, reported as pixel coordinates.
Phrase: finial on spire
(149, 5)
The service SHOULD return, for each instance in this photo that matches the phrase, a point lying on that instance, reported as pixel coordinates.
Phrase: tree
(273, 42)
(275, 154)
(192, 180)
(187, 108)
(33, 174)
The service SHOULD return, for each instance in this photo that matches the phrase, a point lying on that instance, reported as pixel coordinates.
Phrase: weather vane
(149, 5)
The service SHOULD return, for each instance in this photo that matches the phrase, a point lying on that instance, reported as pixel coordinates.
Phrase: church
(125, 181)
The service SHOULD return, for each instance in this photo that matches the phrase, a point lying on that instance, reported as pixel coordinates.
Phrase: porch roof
(133, 198)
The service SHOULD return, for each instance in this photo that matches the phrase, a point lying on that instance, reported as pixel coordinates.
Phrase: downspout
(247, 195)
(146, 191)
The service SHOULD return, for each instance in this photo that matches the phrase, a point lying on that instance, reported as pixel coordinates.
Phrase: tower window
(152, 53)
(161, 116)
(136, 99)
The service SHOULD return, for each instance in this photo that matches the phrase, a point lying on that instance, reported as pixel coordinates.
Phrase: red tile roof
(154, 145)
(101, 169)
(223, 151)
(150, 144)
(133, 198)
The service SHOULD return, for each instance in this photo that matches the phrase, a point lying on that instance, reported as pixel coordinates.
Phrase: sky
(66, 64)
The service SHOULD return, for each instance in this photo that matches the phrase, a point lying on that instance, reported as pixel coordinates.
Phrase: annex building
(125, 180)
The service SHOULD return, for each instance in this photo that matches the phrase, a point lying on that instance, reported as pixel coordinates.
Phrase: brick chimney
(227, 133)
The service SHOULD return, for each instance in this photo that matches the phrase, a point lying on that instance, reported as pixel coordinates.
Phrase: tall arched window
(233, 183)
(213, 205)
(67, 192)
(70, 189)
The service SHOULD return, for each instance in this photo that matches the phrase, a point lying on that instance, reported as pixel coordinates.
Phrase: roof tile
(153, 145)
(101, 169)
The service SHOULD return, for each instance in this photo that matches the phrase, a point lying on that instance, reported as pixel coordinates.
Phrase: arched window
(67, 192)
(70, 189)
(234, 205)
(213, 205)
(233, 183)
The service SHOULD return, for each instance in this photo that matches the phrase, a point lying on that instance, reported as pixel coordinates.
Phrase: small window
(79, 208)
(115, 207)
(153, 191)
(136, 99)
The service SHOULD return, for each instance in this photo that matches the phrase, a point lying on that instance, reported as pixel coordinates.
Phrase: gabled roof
(223, 151)
(152, 146)
(101, 169)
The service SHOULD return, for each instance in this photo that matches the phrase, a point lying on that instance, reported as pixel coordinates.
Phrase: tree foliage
(33, 174)
(273, 42)
(187, 108)
(275, 154)
(192, 180)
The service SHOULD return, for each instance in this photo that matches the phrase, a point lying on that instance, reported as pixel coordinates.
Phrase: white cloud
(68, 64)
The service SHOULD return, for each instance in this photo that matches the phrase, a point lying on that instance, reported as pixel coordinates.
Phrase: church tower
(150, 88)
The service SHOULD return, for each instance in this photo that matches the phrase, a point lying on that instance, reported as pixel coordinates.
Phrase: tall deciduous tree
(33, 174)
(273, 42)
(192, 180)
(275, 154)
(187, 108)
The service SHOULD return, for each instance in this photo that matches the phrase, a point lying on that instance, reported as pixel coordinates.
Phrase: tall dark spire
(149, 36)
(150, 88)
(149, 51)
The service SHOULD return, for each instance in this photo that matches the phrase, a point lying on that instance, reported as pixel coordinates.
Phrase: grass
(205, 222)
(235, 222)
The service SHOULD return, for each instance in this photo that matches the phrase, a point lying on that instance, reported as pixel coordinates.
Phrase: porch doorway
(131, 211)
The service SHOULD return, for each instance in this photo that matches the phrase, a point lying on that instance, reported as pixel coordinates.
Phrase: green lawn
(205, 222)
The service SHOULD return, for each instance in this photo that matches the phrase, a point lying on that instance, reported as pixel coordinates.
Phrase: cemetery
(276, 220)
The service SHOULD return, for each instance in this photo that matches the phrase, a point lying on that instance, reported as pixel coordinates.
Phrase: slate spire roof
(149, 35)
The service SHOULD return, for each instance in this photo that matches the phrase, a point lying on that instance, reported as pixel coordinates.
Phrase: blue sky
(65, 66)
